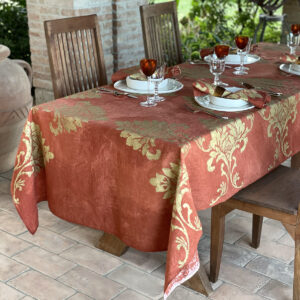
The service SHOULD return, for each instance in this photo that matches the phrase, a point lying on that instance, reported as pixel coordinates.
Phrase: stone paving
(61, 262)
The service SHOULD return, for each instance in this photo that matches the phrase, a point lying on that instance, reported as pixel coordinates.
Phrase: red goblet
(295, 28)
(148, 67)
(221, 51)
(241, 42)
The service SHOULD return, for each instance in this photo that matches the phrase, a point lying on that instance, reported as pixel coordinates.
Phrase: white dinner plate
(204, 101)
(143, 84)
(226, 102)
(287, 68)
(234, 59)
(171, 87)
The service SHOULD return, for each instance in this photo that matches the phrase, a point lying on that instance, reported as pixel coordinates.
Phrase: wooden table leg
(199, 282)
(112, 244)
(296, 161)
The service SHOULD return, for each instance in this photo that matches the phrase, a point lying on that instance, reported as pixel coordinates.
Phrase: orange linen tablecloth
(142, 173)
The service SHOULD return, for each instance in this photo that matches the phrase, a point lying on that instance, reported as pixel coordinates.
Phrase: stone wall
(120, 29)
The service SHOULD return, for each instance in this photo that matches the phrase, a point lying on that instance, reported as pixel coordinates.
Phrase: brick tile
(40, 286)
(146, 261)
(8, 174)
(270, 249)
(275, 290)
(181, 293)
(6, 292)
(10, 245)
(231, 292)
(11, 223)
(287, 240)
(245, 224)
(243, 278)
(43, 205)
(85, 235)
(273, 269)
(204, 249)
(91, 283)
(128, 294)
(5, 187)
(9, 268)
(7, 204)
(144, 283)
(160, 272)
(44, 261)
(80, 296)
(49, 220)
(48, 240)
(93, 259)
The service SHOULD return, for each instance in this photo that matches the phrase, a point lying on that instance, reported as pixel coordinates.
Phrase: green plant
(14, 28)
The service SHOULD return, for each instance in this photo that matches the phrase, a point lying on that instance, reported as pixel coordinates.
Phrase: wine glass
(246, 52)
(217, 67)
(217, 63)
(293, 38)
(148, 67)
(157, 77)
(241, 42)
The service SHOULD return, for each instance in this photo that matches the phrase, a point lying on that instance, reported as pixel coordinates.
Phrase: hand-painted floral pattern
(142, 135)
(68, 118)
(35, 157)
(222, 147)
(279, 117)
(167, 181)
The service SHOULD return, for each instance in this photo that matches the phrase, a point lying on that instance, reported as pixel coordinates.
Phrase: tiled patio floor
(61, 262)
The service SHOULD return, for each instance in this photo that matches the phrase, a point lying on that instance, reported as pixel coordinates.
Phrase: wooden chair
(75, 54)
(275, 196)
(161, 32)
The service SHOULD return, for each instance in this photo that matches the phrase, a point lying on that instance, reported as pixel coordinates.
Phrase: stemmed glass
(246, 52)
(293, 38)
(148, 67)
(241, 42)
(157, 77)
(217, 63)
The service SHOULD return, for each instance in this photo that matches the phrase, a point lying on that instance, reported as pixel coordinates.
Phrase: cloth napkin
(287, 58)
(136, 73)
(255, 97)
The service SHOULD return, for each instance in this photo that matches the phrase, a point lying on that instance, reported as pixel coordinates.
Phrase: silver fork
(116, 93)
(206, 112)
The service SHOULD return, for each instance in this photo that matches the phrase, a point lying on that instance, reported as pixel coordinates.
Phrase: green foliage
(219, 21)
(14, 28)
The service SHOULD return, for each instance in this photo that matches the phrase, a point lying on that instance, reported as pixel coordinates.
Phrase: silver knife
(117, 93)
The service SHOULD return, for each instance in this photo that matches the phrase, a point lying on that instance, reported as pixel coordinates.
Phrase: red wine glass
(148, 67)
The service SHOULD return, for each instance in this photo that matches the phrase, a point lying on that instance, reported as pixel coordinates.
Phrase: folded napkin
(205, 52)
(255, 97)
(137, 74)
(288, 58)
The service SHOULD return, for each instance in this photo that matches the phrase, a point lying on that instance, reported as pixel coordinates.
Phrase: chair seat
(278, 190)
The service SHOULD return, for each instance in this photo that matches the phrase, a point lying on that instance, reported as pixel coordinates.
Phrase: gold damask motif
(141, 135)
(35, 157)
(278, 116)
(182, 216)
(69, 118)
(90, 94)
(225, 141)
(166, 182)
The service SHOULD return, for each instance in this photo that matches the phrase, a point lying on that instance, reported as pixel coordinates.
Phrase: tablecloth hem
(191, 269)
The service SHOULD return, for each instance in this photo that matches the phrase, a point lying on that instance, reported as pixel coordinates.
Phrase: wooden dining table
(142, 174)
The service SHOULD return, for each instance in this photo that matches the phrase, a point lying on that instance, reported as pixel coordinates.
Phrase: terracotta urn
(15, 103)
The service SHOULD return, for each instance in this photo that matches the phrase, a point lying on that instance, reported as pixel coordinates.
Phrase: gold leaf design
(89, 94)
(182, 216)
(68, 118)
(225, 141)
(35, 157)
(142, 135)
(279, 115)
(167, 181)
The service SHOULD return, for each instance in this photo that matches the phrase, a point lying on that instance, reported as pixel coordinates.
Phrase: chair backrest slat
(75, 54)
(161, 32)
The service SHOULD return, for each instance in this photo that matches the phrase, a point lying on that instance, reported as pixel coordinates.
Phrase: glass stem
(217, 79)
(242, 60)
(292, 50)
(155, 89)
(148, 88)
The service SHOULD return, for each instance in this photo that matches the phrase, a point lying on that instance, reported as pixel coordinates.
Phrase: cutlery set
(115, 93)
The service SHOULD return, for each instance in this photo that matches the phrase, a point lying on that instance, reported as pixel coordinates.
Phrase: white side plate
(225, 102)
(234, 59)
(288, 69)
(171, 87)
(205, 102)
